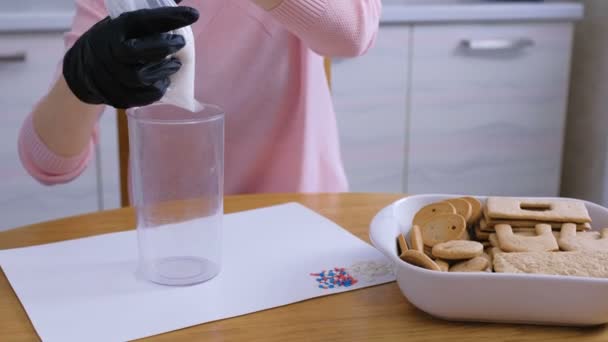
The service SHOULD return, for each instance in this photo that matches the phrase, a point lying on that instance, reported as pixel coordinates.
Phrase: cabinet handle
(18, 56)
(496, 44)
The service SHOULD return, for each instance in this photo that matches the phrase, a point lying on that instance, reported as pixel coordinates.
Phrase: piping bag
(181, 91)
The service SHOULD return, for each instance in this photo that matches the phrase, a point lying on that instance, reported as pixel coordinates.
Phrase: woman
(260, 60)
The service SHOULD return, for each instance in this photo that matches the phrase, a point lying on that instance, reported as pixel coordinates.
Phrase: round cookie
(476, 208)
(402, 243)
(416, 239)
(463, 208)
(477, 264)
(428, 251)
(442, 228)
(432, 210)
(443, 265)
(419, 259)
(458, 250)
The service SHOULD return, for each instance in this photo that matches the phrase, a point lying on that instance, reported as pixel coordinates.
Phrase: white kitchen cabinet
(22, 83)
(488, 117)
(370, 94)
(457, 108)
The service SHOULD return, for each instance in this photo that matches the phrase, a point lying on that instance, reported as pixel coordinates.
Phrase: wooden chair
(123, 145)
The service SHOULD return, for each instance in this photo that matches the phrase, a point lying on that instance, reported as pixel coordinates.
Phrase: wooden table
(377, 313)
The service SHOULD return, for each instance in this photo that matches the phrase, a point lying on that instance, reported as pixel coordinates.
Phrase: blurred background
(457, 96)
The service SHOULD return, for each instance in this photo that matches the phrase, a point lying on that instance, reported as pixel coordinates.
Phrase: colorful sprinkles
(333, 278)
(366, 271)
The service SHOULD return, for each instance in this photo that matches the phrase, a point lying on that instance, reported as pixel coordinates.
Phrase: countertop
(394, 12)
(433, 11)
(377, 313)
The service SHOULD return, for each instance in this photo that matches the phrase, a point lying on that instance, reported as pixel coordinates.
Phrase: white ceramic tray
(490, 297)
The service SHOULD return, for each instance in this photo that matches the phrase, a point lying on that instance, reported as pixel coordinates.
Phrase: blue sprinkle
(331, 286)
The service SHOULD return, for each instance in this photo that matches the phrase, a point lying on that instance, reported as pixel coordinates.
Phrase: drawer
(369, 94)
(28, 64)
(488, 105)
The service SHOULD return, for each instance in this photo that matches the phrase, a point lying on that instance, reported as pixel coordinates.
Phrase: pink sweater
(266, 71)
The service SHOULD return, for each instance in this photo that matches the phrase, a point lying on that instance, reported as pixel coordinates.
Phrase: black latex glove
(122, 62)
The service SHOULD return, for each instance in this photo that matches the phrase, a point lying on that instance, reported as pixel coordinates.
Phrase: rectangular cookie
(488, 225)
(480, 235)
(581, 263)
(494, 242)
(518, 230)
(492, 251)
(556, 210)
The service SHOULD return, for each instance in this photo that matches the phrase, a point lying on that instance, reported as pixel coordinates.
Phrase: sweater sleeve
(334, 28)
(39, 161)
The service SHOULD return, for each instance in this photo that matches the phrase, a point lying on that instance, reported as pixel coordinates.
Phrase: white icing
(181, 90)
(371, 270)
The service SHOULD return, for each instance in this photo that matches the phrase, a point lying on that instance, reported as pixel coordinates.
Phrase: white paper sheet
(86, 290)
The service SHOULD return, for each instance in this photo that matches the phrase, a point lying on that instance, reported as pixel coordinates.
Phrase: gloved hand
(122, 62)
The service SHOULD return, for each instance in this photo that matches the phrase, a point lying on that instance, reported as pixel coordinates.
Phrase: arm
(64, 123)
(120, 62)
(55, 143)
(330, 27)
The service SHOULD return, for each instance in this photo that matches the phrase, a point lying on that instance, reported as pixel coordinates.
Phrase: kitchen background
(457, 96)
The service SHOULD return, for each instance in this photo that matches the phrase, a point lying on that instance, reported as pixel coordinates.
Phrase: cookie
(483, 225)
(416, 239)
(402, 244)
(443, 265)
(544, 241)
(429, 252)
(457, 250)
(477, 264)
(463, 208)
(443, 227)
(480, 235)
(432, 210)
(570, 240)
(419, 259)
(476, 209)
(492, 251)
(493, 240)
(580, 263)
(488, 226)
(556, 210)
(488, 257)
(594, 235)
(532, 232)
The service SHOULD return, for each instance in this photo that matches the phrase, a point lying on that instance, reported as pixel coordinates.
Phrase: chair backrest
(123, 145)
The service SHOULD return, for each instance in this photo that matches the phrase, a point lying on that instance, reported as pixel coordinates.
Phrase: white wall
(585, 173)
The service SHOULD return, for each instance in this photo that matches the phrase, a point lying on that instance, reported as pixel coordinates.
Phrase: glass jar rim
(208, 113)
